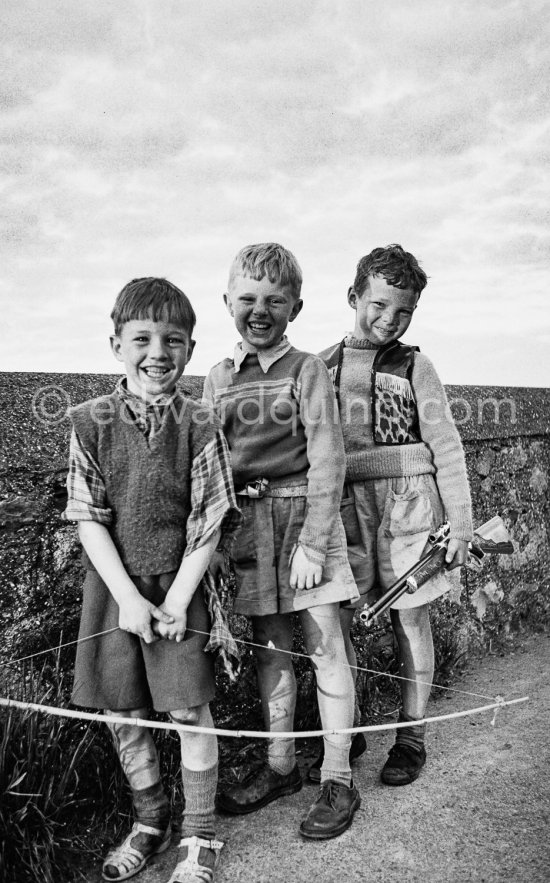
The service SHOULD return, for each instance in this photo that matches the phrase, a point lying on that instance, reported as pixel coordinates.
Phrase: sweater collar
(266, 358)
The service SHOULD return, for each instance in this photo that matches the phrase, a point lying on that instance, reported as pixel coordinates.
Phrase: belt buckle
(257, 488)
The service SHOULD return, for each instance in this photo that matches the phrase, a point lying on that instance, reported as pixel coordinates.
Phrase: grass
(56, 777)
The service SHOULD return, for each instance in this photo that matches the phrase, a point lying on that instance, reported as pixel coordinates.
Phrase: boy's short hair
(267, 259)
(155, 299)
(398, 267)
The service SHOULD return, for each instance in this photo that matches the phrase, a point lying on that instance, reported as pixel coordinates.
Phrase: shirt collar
(266, 358)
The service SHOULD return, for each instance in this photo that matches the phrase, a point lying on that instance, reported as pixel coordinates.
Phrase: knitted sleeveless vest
(394, 411)
(148, 481)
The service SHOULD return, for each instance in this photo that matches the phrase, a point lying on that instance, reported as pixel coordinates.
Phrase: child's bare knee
(187, 716)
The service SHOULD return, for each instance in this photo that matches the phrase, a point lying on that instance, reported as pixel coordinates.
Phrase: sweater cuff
(315, 556)
(460, 520)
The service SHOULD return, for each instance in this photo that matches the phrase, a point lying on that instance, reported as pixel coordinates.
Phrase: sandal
(134, 852)
(197, 860)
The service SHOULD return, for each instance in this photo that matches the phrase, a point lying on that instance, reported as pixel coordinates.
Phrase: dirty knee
(188, 716)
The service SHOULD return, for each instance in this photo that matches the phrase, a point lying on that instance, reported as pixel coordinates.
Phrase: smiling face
(383, 312)
(154, 354)
(261, 309)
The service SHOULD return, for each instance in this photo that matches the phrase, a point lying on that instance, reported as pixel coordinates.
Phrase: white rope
(248, 734)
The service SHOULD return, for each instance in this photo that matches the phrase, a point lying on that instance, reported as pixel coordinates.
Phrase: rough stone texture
(506, 434)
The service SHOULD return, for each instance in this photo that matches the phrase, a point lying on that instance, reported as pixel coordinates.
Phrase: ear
(352, 297)
(116, 347)
(227, 302)
(297, 306)
(190, 350)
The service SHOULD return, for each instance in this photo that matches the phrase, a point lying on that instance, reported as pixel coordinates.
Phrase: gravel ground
(478, 812)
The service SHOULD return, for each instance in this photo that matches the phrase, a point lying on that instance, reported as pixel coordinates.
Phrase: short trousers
(261, 556)
(387, 523)
(120, 671)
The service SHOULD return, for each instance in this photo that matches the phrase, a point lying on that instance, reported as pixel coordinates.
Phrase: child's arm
(213, 519)
(178, 597)
(438, 431)
(135, 612)
(325, 478)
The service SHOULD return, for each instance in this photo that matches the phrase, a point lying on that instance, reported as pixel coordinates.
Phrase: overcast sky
(157, 137)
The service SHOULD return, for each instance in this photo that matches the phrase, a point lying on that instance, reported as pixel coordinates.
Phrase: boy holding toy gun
(405, 475)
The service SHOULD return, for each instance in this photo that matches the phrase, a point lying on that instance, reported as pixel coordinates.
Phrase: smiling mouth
(155, 373)
(259, 327)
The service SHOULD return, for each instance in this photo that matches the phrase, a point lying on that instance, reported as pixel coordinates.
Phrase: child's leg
(276, 685)
(198, 849)
(333, 810)
(199, 769)
(335, 689)
(138, 758)
(151, 831)
(416, 663)
(346, 621)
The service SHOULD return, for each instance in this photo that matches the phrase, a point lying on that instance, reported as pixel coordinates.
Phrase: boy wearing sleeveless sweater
(150, 487)
(405, 475)
(279, 415)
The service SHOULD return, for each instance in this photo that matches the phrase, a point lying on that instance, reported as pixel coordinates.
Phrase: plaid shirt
(213, 502)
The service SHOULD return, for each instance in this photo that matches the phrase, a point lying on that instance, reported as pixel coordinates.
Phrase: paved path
(478, 812)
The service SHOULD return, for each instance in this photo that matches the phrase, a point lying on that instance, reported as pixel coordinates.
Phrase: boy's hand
(175, 629)
(457, 554)
(304, 574)
(138, 616)
(217, 566)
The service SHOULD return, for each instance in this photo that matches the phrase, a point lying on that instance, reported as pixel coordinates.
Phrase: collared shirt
(266, 358)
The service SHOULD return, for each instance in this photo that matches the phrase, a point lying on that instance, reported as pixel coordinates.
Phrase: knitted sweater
(282, 424)
(147, 479)
(439, 452)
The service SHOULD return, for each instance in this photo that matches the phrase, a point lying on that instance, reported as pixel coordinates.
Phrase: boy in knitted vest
(405, 475)
(280, 418)
(150, 487)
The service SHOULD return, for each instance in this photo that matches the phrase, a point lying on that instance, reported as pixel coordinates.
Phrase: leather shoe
(332, 813)
(357, 747)
(403, 765)
(257, 789)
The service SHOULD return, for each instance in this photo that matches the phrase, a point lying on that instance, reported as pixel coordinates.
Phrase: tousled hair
(155, 299)
(267, 259)
(398, 267)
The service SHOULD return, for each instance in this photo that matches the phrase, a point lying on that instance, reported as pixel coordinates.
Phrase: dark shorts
(120, 671)
(387, 523)
(271, 528)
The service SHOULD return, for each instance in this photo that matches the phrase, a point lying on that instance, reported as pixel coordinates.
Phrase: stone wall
(506, 435)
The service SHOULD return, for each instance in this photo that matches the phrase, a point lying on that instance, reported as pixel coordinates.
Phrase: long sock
(151, 806)
(336, 760)
(412, 736)
(200, 790)
(281, 756)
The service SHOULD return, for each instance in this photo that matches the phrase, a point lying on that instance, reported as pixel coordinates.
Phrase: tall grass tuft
(55, 776)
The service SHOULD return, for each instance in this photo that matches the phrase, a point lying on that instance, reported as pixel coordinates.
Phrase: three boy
(150, 486)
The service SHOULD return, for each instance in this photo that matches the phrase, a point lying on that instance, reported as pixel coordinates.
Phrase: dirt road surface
(478, 812)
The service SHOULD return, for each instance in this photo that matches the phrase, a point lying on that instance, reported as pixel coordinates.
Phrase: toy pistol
(491, 538)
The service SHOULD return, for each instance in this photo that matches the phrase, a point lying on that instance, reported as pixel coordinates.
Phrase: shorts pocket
(407, 514)
(348, 514)
(244, 546)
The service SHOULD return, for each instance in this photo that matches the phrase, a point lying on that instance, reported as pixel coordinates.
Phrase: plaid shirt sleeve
(213, 502)
(85, 487)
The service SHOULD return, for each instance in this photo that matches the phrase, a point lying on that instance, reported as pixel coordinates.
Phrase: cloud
(158, 137)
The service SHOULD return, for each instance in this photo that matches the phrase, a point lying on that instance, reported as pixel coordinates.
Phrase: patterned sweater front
(439, 451)
(282, 424)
